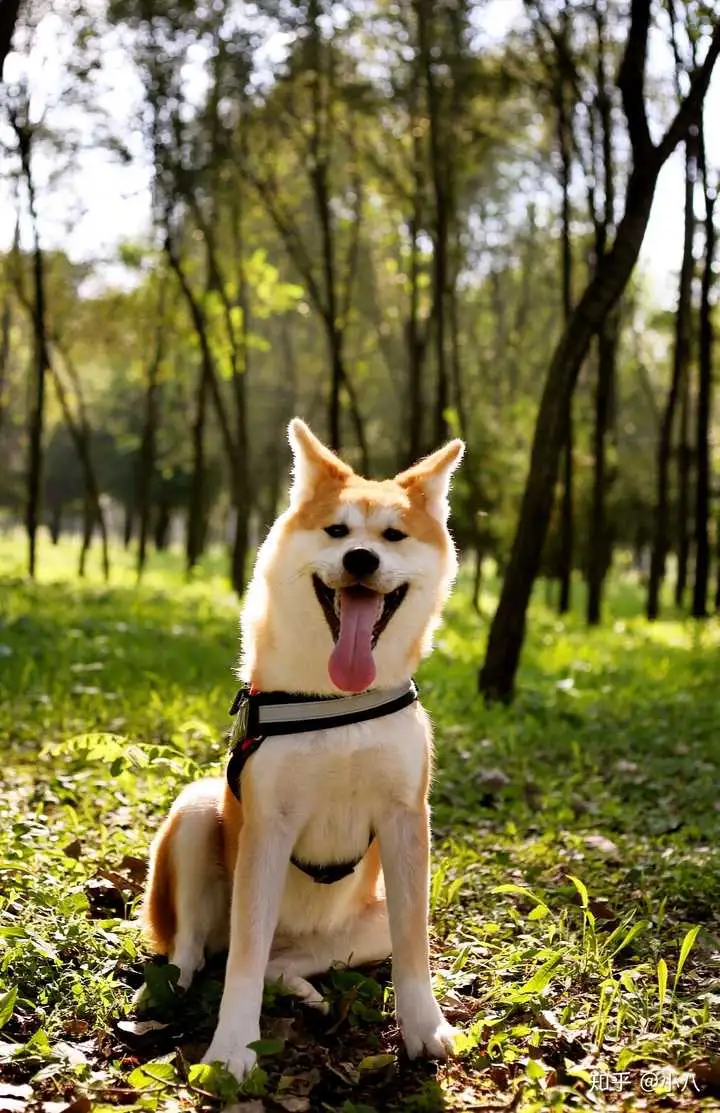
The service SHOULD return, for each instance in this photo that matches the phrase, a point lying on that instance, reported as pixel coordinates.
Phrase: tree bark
(148, 445)
(566, 512)
(497, 677)
(5, 328)
(599, 541)
(684, 462)
(704, 408)
(661, 541)
(36, 416)
(424, 15)
(196, 520)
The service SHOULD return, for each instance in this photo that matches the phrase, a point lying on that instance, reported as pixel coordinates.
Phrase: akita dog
(288, 861)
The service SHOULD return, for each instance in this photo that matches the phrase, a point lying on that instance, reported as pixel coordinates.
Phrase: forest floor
(576, 887)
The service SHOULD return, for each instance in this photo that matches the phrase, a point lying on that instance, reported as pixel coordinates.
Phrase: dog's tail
(158, 915)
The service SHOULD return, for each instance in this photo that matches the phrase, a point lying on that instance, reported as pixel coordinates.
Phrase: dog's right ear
(313, 463)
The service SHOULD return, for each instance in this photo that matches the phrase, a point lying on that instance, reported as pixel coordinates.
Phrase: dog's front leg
(405, 849)
(260, 871)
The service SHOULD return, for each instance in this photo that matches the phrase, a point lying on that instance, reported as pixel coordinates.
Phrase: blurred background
(387, 217)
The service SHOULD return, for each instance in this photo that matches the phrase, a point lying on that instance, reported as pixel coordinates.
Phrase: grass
(576, 887)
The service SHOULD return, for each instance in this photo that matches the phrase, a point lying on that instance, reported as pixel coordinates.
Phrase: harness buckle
(240, 708)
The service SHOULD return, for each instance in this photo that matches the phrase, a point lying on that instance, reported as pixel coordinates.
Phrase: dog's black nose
(361, 562)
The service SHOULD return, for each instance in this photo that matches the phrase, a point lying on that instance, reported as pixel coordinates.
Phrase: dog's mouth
(356, 617)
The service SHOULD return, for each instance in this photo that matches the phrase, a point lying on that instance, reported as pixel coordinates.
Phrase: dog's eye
(338, 530)
(394, 534)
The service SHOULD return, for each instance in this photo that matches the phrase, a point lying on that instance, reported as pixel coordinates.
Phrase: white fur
(320, 795)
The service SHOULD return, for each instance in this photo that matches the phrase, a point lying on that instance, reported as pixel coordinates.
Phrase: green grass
(576, 891)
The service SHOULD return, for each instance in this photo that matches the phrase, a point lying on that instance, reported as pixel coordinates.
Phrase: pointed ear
(429, 479)
(312, 462)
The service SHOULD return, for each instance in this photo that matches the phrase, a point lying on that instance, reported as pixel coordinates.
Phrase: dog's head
(351, 579)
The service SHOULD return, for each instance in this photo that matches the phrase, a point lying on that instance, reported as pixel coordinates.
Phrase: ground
(576, 886)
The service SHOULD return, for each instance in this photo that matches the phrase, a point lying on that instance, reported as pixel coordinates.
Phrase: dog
(319, 854)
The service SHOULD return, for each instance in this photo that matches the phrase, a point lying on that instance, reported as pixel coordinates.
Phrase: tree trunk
(599, 558)
(661, 542)
(683, 505)
(56, 522)
(5, 327)
(88, 527)
(163, 520)
(128, 524)
(36, 417)
(416, 334)
(704, 411)
(424, 15)
(599, 541)
(566, 511)
(148, 450)
(196, 520)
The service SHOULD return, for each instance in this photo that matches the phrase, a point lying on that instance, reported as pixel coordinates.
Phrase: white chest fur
(332, 788)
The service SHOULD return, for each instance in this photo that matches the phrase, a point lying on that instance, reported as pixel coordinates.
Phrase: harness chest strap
(260, 715)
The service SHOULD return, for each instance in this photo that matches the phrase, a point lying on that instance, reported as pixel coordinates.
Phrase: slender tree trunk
(148, 445)
(599, 541)
(424, 15)
(196, 520)
(56, 522)
(683, 505)
(5, 327)
(36, 417)
(88, 528)
(704, 412)
(81, 435)
(416, 334)
(241, 369)
(163, 521)
(128, 524)
(599, 557)
(566, 511)
(661, 541)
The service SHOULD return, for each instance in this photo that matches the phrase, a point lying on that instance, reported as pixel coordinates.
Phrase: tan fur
(158, 913)
(318, 795)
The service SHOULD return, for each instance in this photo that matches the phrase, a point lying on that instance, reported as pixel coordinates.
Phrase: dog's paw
(424, 1029)
(434, 1041)
(233, 1054)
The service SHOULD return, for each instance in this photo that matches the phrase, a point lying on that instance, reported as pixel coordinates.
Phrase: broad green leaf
(267, 1047)
(7, 1005)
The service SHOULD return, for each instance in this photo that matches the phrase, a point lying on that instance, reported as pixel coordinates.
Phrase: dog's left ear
(312, 462)
(429, 479)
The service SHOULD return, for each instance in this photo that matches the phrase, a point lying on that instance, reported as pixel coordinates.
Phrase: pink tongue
(351, 664)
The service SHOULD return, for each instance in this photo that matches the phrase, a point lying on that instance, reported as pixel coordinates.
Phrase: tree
(704, 400)
(497, 676)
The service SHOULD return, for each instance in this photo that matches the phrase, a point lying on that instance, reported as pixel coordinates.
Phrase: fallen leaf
(376, 1062)
(103, 898)
(140, 1027)
(293, 1104)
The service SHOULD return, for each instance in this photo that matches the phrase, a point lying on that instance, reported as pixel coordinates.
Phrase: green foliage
(575, 887)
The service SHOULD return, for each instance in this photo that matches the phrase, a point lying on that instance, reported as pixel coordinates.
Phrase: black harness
(261, 715)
